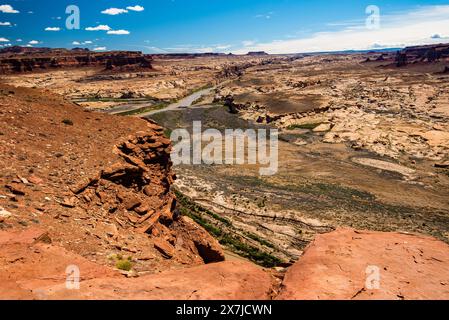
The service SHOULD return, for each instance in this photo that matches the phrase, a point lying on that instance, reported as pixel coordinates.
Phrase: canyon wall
(18, 60)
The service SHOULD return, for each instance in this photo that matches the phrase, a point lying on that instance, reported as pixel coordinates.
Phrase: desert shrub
(125, 265)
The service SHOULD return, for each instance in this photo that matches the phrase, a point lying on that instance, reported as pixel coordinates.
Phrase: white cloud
(204, 50)
(4, 40)
(100, 49)
(155, 49)
(265, 15)
(188, 48)
(404, 29)
(222, 47)
(78, 43)
(5, 23)
(101, 27)
(52, 29)
(248, 43)
(148, 49)
(19, 40)
(117, 11)
(6, 8)
(33, 42)
(119, 32)
(114, 11)
(136, 8)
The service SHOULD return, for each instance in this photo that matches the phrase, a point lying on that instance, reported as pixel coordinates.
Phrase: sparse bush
(125, 265)
(167, 133)
(120, 262)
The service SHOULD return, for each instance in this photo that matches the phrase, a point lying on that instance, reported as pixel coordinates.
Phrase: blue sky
(282, 26)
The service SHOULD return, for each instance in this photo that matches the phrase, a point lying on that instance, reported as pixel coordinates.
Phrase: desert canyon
(87, 179)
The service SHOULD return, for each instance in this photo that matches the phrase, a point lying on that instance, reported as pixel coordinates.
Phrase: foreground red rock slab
(218, 281)
(344, 265)
(32, 268)
(28, 262)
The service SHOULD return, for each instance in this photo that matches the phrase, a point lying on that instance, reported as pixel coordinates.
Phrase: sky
(237, 26)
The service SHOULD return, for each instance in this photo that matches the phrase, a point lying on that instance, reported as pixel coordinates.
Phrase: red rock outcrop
(344, 265)
(32, 268)
(99, 184)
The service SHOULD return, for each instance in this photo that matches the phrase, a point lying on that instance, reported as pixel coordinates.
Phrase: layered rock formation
(18, 60)
(100, 184)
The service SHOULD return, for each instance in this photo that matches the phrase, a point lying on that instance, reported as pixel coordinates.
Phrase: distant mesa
(257, 53)
(80, 49)
(416, 54)
(427, 58)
